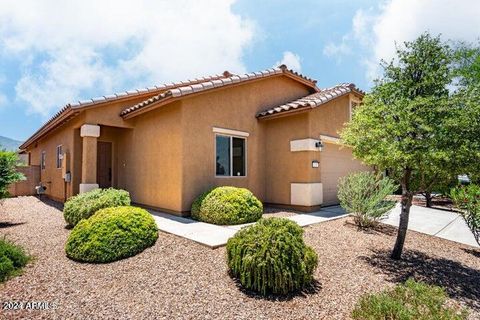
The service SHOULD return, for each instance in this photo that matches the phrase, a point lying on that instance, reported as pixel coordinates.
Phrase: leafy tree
(8, 171)
(468, 199)
(411, 123)
(467, 65)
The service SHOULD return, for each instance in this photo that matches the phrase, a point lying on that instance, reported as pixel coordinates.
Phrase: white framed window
(230, 156)
(43, 159)
(59, 156)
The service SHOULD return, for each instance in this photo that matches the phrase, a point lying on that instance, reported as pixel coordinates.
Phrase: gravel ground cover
(179, 279)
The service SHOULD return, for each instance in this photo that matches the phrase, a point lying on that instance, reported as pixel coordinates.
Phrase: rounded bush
(84, 205)
(12, 259)
(112, 234)
(227, 205)
(271, 257)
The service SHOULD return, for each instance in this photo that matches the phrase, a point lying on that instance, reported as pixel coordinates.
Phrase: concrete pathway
(215, 236)
(439, 223)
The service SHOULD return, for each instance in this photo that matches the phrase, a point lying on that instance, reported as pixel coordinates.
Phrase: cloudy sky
(54, 52)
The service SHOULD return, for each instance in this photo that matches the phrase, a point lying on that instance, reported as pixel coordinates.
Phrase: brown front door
(104, 164)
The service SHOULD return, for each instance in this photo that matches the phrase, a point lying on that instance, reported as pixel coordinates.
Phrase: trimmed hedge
(409, 301)
(12, 259)
(112, 234)
(227, 206)
(83, 206)
(271, 257)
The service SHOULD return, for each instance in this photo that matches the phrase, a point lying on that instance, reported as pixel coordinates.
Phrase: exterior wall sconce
(315, 164)
(319, 145)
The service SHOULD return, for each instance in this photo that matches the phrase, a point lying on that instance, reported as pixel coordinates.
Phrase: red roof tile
(312, 100)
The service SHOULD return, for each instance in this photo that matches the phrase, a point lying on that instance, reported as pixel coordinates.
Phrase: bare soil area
(180, 279)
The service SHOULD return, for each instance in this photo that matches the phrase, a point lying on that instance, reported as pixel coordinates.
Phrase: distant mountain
(9, 144)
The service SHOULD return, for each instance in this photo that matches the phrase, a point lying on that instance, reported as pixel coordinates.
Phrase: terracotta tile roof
(216, 83)
(72, 109)
(313, 100)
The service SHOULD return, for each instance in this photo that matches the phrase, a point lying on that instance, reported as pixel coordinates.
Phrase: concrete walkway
(215, 236)
(439, 223)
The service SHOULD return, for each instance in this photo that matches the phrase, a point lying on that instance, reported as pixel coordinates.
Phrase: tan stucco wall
(51, 176)
(234, 109)
(68, 135)
(150, 158)
(166, 157)
(286, 167)
(26, 187)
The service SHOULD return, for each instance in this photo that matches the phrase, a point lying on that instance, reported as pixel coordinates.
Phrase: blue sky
(54, 52)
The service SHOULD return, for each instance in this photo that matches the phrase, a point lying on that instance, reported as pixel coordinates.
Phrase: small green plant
(410, 301)
(271, 257)
(8, 171)
(112, 234)
(84, 205)
(467, 198)
(12, 259)
(227, 206)
(363, 195)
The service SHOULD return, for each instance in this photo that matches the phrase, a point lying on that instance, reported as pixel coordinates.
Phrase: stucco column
(89, 133)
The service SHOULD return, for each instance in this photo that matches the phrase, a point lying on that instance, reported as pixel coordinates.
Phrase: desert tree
(411, 123)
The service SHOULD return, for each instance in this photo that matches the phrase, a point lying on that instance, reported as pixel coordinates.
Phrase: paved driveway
(444, 224)
(216, 236)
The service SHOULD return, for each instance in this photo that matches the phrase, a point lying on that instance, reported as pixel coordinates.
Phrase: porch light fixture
(319, 145)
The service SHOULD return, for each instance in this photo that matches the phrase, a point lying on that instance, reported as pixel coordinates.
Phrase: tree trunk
(406, 203)
(428, 198)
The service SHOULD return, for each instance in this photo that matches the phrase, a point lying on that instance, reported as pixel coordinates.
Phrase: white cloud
(377, 29)
(338, 50)
(69, 49)
(3, 100)
(291, 60)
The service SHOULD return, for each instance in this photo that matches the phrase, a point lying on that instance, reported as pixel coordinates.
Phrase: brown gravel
(179, 279)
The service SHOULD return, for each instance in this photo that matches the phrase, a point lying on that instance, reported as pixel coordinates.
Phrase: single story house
(273, 132)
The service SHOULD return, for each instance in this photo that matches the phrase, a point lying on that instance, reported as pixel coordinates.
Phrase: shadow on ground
(313, 288)
(10, 224)
(473, 252)
(379, 228)
(460, 281)
(51, 203)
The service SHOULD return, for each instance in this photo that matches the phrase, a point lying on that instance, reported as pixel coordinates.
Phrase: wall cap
(308, 144)
(90, 130)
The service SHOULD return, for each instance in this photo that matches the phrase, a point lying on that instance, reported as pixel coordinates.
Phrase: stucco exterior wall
(26, 187)
(166, 157)
(233, 108)
(51, 176)
(285, 167)
(150, 158)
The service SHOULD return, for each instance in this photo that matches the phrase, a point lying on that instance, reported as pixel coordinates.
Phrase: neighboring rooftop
(312, 101)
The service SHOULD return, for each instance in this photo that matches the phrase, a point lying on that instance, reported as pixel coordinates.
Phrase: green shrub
(84, 205)
(8, 171)
(271, 257)
(227, 205)
(467, 198)
(363, 195)
(112, 234)
(409, 301)
(12, 259)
